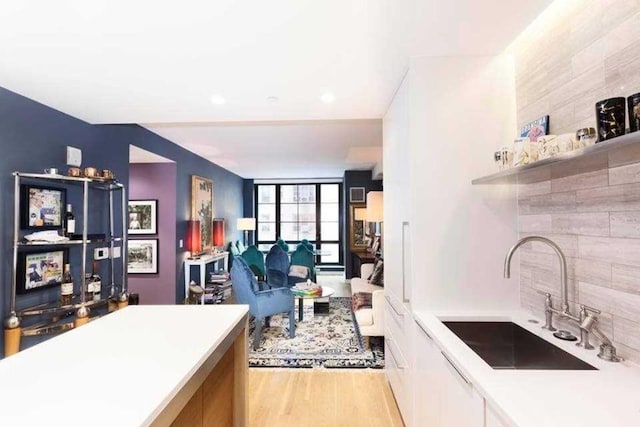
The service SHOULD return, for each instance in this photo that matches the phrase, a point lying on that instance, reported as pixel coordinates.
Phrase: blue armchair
(303, 256)
(255, 261)
(262, 304)
(277, 266)
(282, 244)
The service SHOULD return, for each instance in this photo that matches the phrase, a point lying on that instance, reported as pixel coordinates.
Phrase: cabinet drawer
(395, 321)
(397, 371)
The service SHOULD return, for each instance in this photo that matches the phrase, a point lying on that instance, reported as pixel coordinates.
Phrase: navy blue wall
(34, 136)
(248, 197)
(354, 179)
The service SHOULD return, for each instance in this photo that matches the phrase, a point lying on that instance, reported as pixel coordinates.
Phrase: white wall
(461, 110)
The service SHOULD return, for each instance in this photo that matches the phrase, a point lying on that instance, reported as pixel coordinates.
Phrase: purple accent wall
(157, 181)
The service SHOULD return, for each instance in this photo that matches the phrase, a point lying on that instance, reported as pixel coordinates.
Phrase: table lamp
(194, 241)
(375, 211)
(246, 225)
(218, 232)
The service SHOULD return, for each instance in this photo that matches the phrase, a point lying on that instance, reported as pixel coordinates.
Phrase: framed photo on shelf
(143, 217)
(202, 209)
(40, 269)
(535, 129)
(142, 256)
(42, 208)
(357, 195)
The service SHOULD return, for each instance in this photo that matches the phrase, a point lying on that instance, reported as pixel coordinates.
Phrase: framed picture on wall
(202, 209)
(40, 269)
(143, 217)
(142, 256)
(358, 240)
(357, 195)
(42, 208)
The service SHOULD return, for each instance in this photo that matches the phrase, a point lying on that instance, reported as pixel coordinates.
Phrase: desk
(202, 263)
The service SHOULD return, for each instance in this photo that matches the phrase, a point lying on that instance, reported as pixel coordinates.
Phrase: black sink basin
(505, 345)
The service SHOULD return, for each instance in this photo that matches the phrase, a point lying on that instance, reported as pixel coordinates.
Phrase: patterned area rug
(332, 341)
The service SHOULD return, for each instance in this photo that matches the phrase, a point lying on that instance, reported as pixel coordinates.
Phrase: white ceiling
(312, 149)
(140, 155)
(117, 61)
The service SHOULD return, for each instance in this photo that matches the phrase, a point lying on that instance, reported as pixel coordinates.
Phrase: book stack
(306, 289)
(219, 277)
(218, 288)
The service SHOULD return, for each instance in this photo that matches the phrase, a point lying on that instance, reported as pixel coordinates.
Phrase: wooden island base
(221, 400)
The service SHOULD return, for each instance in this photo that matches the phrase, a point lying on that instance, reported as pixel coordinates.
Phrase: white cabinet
(428, 390)
(399, 354)
(462, 405)
(492, 419)
(444, 239)
(443, 395)
(397, 200)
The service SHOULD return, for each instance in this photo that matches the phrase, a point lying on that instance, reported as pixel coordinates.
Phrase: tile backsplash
(595, 218)
(579, 52)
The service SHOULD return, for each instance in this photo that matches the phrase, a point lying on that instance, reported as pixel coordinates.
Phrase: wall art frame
(40, 268)
(41, 207)
(142, 256)
(143, 217)
(202, 209)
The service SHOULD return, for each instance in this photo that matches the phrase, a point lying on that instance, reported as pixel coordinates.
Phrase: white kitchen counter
(540, 398)
(122, 369)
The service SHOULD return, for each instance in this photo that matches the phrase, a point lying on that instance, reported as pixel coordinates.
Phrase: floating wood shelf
(615, 152)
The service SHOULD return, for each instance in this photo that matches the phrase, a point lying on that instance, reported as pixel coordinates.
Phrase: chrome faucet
(564, 310)
(587, 320)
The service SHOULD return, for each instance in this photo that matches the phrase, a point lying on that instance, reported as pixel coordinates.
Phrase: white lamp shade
(360, 214)
(246, 223)
(374, 206)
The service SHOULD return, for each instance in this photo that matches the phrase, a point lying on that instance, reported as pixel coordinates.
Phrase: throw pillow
(299, 271)
(361, 300)
(377, 277)
(375, 264)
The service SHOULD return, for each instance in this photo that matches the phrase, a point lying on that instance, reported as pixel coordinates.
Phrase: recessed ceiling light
(327, 98)
(272, 99)
(218, 100)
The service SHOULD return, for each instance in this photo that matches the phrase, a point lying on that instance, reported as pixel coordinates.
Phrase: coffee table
(319, 308)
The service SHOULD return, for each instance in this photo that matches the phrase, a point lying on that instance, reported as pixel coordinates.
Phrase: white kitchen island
(140, 366)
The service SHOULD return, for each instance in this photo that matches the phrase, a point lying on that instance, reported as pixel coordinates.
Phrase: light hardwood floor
(316, 397)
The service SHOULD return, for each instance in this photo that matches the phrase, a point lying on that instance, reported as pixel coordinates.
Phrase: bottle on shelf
(66, 288)
(95, 282)
(88, 290)
(69, 222)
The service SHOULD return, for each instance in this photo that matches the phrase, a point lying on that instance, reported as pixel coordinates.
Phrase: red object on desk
(194, 241)
(218, 232)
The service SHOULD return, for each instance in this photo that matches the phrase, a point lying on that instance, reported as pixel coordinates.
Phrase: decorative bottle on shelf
(66, 288)
(88, 291)
(69, 222)
(95, 282)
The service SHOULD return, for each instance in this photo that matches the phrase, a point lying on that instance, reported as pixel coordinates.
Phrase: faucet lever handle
(591, 309)
(546, 294)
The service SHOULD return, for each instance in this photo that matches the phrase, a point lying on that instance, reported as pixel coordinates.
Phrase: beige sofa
(370, 320)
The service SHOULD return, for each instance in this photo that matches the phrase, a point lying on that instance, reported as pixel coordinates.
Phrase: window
(301, 211)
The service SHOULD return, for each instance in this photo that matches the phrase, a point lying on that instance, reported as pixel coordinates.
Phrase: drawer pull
(393, 307)
(388, 341)
(423, 329)
(453, 365)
